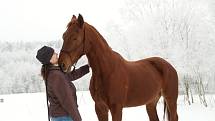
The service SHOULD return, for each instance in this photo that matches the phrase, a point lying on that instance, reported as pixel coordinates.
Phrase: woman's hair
(45, 71)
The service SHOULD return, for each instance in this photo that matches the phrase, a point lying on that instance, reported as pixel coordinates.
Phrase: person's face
(54, 59)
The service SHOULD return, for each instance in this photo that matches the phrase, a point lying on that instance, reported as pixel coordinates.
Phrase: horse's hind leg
(170, 94)
(151, 109)
(101, 111)
(172, 109)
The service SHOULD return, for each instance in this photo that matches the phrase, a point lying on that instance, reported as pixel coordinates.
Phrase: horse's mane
(93, 29)
(100, 36)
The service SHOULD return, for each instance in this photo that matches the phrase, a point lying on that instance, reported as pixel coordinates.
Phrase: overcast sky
(32, 20)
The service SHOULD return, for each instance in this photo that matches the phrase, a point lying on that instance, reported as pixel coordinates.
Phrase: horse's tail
(166, 111)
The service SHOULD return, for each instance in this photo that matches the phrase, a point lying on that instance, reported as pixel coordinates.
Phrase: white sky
(31, 20)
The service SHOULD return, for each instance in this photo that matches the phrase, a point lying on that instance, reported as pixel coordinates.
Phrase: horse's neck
(101, 56)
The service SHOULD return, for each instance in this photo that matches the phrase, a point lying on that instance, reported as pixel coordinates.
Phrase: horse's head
(73, 43)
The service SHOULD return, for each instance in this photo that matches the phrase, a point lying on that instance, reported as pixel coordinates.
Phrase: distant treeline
(19, 69)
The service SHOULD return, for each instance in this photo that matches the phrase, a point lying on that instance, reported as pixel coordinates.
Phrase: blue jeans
(61, 118)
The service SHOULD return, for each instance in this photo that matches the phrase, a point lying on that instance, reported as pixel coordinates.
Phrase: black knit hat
(44, 54)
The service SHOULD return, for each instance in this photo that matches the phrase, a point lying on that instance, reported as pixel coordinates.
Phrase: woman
(61, 92)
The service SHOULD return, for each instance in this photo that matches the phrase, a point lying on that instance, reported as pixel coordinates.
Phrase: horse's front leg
(116, 112)
(101, 110)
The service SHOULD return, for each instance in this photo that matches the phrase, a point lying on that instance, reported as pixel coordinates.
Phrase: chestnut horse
(116, 82)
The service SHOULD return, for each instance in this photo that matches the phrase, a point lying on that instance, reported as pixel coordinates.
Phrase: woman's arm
(78, 73)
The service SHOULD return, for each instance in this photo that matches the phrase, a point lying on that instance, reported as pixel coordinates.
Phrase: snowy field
(32, 107)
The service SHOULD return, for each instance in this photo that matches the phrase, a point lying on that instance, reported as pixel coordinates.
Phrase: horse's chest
(113, 89)
(97, 89)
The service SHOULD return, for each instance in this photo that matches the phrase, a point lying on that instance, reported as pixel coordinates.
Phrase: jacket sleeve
(78, 73)
(63, 91)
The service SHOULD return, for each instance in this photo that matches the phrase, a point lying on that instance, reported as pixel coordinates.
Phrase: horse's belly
(142, 92)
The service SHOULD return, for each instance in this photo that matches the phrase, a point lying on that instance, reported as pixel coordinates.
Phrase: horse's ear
(80, 20)
(73, 18)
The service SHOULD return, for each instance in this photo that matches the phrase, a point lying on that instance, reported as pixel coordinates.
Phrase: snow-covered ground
(32, 107)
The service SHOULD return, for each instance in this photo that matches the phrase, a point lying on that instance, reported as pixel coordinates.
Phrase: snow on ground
(32, 107)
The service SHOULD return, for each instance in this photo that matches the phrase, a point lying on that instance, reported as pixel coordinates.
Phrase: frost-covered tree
(180, 31)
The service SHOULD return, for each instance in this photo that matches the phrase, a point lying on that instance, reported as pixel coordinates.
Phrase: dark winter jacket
(62, 92)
